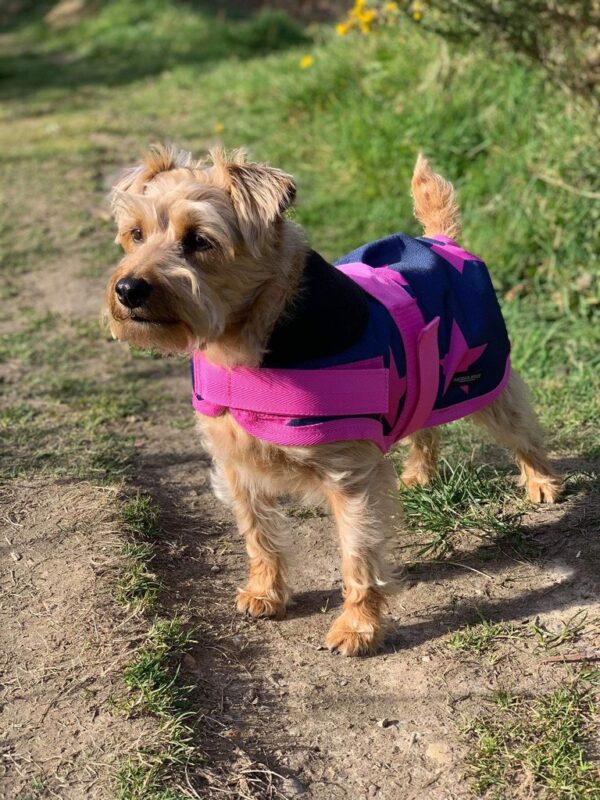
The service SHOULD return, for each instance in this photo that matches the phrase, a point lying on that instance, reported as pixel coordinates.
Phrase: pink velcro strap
(289, 392)
(429, 375)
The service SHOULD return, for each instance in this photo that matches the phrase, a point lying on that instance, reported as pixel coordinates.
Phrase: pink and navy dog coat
(401, 334)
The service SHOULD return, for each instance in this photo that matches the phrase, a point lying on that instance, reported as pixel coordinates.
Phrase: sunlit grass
(521, 740)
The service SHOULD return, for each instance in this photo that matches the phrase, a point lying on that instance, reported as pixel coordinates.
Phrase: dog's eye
(195, 242)
(137, 235)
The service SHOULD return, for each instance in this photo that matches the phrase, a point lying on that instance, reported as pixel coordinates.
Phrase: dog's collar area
(328, 315)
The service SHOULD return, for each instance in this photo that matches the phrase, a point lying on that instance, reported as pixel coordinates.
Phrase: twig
(586, 655)
(452, 564)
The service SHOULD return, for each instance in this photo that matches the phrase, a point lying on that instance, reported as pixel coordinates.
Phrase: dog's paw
(544, 488)
(411, 479)
(259, 605)
(352, 640)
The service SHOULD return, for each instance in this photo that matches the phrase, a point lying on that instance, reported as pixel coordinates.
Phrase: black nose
(132, 291)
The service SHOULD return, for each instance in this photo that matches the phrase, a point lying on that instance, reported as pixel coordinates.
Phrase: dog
(213, 268)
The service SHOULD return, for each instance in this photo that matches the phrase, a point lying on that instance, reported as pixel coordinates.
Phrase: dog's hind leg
(512, 422)
(261, 523)
(362, 507)
(420, 464)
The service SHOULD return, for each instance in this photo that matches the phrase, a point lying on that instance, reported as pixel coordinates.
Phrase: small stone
(373, 790)
(388, 723)
(215, 568)
(292, 787)
(15, 556)
(189, 661)
(344, 682)
(426, 659)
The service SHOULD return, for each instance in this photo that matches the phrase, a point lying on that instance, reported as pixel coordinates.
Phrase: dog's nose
(132, 291)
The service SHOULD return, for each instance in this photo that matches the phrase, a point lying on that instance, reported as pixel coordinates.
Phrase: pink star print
(459, 356)
(454, 254)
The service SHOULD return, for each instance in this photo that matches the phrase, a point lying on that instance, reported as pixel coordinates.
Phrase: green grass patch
(480, 638)
(464, 497)
(137, 586)
(483, 638)
(154, 687)
(141, 517)
(152, 677)
(537, 744)
(69, 406)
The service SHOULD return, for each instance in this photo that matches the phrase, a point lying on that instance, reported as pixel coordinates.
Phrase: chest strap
(357, 388)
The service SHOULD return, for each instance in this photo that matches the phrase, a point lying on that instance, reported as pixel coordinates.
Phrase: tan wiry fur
(225, 299)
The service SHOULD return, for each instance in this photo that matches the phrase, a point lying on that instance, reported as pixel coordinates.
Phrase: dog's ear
(260, 194)
(158, 158)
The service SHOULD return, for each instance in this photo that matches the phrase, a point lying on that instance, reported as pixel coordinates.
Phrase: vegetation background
(501, 96)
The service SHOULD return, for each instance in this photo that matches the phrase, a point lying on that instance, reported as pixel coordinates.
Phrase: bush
(562, 35)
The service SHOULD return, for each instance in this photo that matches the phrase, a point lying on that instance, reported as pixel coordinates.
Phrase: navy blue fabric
(317, 323)
(467, 297)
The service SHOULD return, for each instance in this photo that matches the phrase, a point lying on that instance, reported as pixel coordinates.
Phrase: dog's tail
(436, 205)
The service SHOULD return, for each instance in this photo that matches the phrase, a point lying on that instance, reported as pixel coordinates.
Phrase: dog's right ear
(260, 194)
(159, 158)
(128, 178)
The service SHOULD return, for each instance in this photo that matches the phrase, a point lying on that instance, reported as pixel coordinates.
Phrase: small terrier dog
(213, 268)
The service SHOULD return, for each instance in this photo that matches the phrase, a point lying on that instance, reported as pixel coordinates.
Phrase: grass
(141, 517)
(67, 410)
(464, 497)
(484, 636)
(155, 688)
(152, 678)
(480, 638)
(137, 586)
(523, 742)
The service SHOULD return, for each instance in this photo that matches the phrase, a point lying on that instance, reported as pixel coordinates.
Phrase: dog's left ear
(260, 194)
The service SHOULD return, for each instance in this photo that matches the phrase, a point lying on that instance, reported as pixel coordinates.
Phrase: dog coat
(399, 335)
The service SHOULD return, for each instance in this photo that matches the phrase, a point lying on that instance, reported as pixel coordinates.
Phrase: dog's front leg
(362, 510)
(261, 524)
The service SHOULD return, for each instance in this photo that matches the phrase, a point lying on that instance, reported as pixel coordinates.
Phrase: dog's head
(197, 238)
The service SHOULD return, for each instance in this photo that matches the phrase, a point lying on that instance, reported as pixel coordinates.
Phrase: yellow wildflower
(417, 11)
(306, 62)
(391, 7)
(366, 19)
(342, 28)
(358, 10)
(218, 127)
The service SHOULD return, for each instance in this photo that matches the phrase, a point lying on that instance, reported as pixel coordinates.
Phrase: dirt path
(64, 643)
